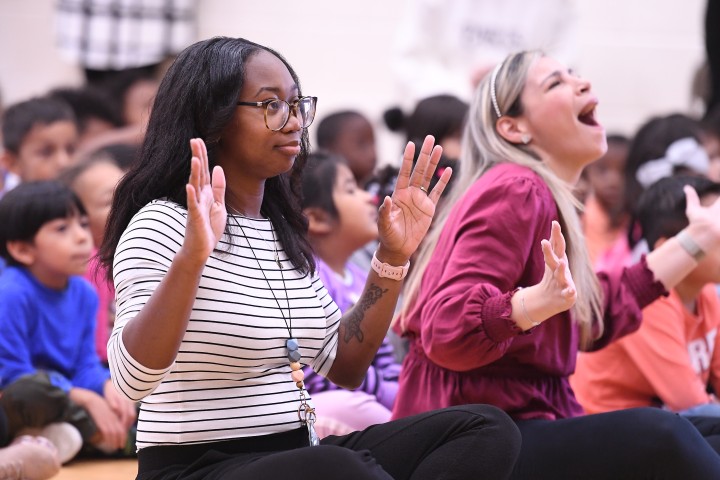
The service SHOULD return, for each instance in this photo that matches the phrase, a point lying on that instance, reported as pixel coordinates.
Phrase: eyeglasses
(277, 112)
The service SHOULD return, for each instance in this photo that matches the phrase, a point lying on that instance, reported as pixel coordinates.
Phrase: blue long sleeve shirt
(50, 330)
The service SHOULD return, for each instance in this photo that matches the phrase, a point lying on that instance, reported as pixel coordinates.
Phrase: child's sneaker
(29, 458)
(65, 437)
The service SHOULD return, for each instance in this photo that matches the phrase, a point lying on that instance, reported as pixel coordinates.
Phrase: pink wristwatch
(385, 270)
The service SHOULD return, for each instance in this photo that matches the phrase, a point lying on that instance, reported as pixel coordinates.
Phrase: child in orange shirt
(670, 361)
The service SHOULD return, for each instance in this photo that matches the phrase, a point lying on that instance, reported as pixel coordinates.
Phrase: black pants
(464, 442)
(637, 444)
(709, 428)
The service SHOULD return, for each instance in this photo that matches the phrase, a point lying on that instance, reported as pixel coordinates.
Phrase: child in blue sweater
(47, 317)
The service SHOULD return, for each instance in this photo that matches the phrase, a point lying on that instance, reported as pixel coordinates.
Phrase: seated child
(47, 313)
(350, 135)
(443, 117)
(674, 356)
(93, 110)
(605, 217)
(93, 181)
(710, 136)
(39, 136)
(342, 218)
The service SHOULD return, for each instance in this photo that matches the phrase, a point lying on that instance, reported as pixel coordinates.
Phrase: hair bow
(686, 152)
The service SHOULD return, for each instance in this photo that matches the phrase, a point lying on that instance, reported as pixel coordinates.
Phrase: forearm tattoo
(356, 316)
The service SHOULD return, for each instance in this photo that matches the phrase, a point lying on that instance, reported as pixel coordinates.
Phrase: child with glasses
(219, 305)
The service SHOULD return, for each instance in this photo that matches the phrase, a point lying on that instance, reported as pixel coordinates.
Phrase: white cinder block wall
(641, 55)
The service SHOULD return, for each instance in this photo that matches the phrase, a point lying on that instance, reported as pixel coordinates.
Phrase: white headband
(493, 97)
(686, 152)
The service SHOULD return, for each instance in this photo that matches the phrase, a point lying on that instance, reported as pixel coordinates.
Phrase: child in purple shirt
(342, 219)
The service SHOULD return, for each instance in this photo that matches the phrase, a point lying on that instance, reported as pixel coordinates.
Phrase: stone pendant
(293, 354)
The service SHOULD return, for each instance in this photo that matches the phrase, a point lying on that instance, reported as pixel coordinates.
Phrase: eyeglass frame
(292, 109)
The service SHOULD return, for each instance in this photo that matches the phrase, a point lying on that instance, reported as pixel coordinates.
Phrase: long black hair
(197, 99)
(318, 182)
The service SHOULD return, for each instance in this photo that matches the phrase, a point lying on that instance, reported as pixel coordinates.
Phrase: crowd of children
(56, 391)
(64, 154)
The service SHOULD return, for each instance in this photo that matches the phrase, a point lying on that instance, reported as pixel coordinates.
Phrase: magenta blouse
(464, 348)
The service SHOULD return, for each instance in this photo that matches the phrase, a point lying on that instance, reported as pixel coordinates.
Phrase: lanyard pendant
(313, 438)
(307, 417)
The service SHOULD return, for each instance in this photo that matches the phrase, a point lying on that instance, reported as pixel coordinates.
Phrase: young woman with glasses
(219, 304)
(496, 314)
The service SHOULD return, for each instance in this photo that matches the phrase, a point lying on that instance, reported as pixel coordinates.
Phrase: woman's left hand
(405, 217)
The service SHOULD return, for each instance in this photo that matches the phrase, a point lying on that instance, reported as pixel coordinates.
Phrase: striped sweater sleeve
(142, 259)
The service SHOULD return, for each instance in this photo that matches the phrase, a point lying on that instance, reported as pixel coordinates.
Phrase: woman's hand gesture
(704, 221)
(405, 217)
(207, 214)
(556, 291)
(557, 282)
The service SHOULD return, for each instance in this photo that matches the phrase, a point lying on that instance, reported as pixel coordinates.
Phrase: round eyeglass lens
(277, 113)
(306, 111)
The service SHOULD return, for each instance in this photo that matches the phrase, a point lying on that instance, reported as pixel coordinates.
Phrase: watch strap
(385, 270)
(690, 245)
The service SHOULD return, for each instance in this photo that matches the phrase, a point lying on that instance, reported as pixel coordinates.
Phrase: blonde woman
(499, 302)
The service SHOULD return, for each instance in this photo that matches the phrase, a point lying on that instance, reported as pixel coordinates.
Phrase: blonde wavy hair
(482, 148)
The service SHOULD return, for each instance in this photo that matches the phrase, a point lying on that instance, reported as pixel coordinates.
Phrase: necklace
(262, 237)
(306, 413)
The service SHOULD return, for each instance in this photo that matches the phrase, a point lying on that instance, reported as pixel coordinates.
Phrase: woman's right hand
(556, 291)
(207, 214)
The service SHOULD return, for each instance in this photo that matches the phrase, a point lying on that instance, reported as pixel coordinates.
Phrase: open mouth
(587, 116)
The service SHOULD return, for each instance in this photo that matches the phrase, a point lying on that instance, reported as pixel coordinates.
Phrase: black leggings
(637, 444)
(464, 442)
(709, 428)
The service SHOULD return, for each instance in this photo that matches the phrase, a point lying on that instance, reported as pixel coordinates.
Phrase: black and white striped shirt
(231, 377)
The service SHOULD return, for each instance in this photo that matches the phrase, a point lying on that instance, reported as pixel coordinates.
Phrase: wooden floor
(125, 469)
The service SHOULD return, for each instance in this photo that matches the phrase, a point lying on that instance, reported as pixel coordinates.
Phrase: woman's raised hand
(556, 291)
(405, 217)
(207, 214)
(557, 282)
(704, 221)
